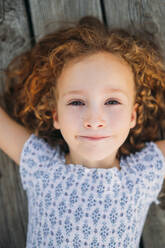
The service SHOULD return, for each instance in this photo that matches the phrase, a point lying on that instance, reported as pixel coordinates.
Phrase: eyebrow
(105, 91)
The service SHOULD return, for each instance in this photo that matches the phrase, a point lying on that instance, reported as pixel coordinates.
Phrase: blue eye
(74, 103)
(114, 101)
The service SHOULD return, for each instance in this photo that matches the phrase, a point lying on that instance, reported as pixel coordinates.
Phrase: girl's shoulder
(36, 156)
(36, 151)
(161, 146)
(150, 158)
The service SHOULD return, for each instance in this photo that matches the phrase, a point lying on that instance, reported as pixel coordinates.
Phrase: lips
(94, 138)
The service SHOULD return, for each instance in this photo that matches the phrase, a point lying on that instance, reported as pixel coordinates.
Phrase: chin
(94, 156)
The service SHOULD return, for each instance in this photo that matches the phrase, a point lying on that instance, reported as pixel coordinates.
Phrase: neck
(70, 160)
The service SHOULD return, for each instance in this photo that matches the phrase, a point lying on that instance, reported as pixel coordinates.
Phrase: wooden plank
(154, 229)
(14, 39)
(144, 14)
(147, 15)
(49, 15)
(1, 11)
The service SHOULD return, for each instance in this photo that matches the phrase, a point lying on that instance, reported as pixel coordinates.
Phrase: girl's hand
(12, 136)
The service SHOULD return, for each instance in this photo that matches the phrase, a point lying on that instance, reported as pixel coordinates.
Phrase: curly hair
(31, 79)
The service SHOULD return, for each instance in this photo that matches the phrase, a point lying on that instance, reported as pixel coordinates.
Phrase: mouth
(94, 138)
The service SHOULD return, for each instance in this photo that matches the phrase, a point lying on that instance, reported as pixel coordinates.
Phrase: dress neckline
(114, 169)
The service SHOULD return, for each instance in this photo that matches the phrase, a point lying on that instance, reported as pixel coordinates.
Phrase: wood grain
(138, 14)
(49, 15)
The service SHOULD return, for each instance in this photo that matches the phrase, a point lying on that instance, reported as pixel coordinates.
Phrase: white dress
(72, 206)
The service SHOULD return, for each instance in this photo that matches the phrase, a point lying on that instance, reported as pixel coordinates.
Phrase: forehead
(97, 72)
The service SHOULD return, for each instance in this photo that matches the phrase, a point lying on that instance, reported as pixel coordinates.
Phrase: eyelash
(71, 103)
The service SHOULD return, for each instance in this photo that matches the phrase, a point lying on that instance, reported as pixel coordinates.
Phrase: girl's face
(96, 98)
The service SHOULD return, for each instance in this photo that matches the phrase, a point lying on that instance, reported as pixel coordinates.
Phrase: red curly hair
(31, 79)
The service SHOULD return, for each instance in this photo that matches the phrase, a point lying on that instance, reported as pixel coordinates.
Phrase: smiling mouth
(93, 138)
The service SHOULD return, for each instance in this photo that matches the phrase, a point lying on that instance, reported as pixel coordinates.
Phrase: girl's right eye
(75, 103)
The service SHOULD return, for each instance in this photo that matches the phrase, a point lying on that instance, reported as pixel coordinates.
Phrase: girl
(91, 102)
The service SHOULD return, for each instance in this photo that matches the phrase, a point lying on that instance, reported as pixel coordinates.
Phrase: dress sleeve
(35, 156)
(156, 173)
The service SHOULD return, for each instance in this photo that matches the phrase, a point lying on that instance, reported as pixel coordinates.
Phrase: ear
(55, 119)
(134, 116)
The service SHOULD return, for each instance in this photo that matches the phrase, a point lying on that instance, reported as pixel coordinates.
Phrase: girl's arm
(12, 136)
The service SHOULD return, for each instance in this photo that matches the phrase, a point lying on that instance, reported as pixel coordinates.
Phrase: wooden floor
(22, 23)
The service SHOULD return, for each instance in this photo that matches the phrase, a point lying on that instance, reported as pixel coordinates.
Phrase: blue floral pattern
(75, 206)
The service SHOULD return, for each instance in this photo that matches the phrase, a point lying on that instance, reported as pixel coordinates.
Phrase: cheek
(69, 120)
(70, 114)
(118, 118)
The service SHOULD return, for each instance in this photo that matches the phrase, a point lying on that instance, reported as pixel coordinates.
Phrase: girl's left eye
(76, 103)
(114, 101)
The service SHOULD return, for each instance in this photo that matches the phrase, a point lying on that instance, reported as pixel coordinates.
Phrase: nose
(94, 121)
